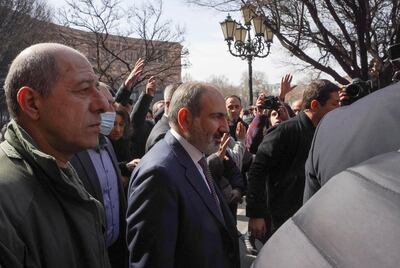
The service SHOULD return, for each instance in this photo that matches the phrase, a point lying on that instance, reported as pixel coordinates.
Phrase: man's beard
(231, 119)
(197, 137)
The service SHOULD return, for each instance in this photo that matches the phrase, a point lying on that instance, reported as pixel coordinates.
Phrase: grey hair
(106, 87)
(186, 95)
(35, 67)
(169, 91)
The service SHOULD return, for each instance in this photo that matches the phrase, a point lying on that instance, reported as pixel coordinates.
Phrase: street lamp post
(242, 44)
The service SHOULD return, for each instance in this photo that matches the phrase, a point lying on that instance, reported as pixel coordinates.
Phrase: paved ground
(242, 221)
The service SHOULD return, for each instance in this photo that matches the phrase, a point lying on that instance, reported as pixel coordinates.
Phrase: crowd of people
(90, 179)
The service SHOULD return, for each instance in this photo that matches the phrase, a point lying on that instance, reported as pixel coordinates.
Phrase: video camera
(358, 89)
(271, 102)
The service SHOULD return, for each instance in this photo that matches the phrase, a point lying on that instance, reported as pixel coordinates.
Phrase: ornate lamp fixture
(240, 41)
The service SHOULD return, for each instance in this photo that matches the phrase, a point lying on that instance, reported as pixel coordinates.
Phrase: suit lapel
(194, 177)
(90, 172)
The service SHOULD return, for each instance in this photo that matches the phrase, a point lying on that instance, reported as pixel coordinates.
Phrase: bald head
(296, 106)
(35, 67)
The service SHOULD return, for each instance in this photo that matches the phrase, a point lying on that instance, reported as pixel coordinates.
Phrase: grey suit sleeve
(152, 220)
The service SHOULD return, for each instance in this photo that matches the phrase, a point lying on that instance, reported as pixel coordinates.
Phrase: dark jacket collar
(45, 166)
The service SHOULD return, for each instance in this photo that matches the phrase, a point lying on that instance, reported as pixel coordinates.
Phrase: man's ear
(185, 118)
(28, 100)
(314, 104)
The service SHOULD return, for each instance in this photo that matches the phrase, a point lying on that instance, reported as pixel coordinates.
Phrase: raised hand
(285, 86)
(151, 86)
(240, 131)
(222, 147)
(135, 73)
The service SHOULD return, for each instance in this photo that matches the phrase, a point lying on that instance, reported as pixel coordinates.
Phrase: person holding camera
(270, 112)
(276, 176)
(380, 109)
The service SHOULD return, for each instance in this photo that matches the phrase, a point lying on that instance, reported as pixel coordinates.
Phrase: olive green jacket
(47, 219)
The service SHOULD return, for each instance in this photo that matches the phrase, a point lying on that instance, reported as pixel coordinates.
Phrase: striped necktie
(210, 181)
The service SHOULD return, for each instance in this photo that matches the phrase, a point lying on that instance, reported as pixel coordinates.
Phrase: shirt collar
(193, 152)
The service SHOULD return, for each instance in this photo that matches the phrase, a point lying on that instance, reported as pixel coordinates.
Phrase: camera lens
(353, 90)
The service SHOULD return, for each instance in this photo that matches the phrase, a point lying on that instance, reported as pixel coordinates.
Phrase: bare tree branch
(330, 33)
(116, 52)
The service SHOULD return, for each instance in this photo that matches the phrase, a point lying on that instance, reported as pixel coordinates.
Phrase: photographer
(380, 75)
(347, 146)
(270, 111)
(265, 118)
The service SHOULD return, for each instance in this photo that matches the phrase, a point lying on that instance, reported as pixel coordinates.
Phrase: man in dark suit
(98, 170)
(353, 134)
(176, 216)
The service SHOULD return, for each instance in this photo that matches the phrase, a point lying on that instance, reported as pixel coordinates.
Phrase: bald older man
(47, 218)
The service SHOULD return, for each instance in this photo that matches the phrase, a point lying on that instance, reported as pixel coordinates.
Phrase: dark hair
(280, 105)
(319, 90)
(124, 114)
(186, 95)
(125, 117)
(289, 110)
(234, 96)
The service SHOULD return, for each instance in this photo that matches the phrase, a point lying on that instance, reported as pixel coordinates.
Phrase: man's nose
(99, 102)
(224, 125)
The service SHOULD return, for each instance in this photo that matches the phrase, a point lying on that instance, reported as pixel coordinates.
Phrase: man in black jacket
(276, 177)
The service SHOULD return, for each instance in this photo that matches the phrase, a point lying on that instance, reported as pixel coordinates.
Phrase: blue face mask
(247, 117)
(107, 122)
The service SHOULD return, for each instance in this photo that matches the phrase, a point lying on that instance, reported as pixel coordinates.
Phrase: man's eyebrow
(89, 81)
(218, 114)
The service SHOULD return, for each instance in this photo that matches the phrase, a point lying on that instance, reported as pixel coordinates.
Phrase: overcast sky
(208, 51)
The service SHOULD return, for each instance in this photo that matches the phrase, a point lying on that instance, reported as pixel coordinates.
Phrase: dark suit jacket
(158, 132)
(83, 165)
(173, 221)
(352, 134)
